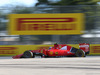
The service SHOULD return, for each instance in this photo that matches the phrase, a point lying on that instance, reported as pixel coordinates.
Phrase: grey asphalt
(50, 66)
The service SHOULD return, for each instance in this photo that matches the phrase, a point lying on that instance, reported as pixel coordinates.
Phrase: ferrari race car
(59, 50)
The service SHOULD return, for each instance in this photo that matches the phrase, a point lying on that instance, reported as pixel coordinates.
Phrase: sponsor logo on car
(56, 53)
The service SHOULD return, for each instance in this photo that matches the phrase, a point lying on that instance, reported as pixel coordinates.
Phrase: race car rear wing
(85, 47)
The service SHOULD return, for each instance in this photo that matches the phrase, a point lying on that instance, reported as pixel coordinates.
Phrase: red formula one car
(59, 50)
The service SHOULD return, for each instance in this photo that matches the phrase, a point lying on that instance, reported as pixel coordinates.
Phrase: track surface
(50, 66)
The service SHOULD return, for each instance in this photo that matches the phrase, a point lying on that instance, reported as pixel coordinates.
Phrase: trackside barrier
(10, 50)
(94, 49)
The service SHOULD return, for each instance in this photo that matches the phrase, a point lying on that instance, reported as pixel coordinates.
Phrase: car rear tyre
(80, 53)
(27, 54)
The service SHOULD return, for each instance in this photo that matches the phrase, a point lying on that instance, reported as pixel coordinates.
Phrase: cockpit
(64, 48)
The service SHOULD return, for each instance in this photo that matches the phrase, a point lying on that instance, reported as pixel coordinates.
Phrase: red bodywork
(60, 50)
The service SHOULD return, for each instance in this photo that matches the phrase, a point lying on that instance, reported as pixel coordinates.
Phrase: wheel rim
(80, 53)
(28, 54)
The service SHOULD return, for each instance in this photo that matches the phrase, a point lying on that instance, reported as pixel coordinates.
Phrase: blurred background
(91, 9)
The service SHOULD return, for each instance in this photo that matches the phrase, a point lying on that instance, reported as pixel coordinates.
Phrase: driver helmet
(55, 44)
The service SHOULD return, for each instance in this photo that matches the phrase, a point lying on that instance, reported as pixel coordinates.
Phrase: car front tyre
(28, 54)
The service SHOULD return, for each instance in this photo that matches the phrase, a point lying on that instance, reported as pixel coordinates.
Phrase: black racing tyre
(80, 53)
(27, 54)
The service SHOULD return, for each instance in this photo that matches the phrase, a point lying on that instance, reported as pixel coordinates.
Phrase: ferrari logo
(51, 53)
(56, 53)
